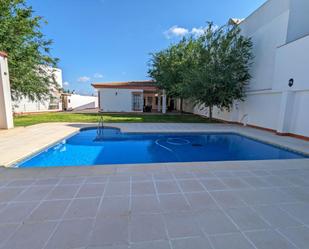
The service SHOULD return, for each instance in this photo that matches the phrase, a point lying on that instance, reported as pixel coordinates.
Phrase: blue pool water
(113, 147)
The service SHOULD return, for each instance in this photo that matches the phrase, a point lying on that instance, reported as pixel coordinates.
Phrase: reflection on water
(110, 146)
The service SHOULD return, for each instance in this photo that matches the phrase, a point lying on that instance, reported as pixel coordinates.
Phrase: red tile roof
(147, 85)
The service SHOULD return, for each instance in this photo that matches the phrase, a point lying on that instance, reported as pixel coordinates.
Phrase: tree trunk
(181, 105)
(210, 112)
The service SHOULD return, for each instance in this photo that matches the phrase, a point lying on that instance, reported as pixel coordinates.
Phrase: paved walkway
(239, 205)
(21, 142)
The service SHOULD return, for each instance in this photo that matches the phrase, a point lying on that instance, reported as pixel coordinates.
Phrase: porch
(158, 102)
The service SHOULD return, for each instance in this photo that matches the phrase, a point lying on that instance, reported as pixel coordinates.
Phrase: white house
(278, 97)
(133, 96)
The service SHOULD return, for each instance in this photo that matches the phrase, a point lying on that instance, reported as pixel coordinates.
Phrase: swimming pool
(111, 146)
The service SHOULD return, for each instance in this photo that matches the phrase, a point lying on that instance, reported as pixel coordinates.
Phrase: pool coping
(234, 129)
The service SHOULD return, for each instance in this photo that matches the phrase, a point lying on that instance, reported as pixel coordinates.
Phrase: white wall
(6, 114)
(261, 109)
(80, 102)
(292, 61)
(25, 105)
(264, 15)
(116, 100)
(299, 20)
(299, 118)
(270, 102)
(266, 37)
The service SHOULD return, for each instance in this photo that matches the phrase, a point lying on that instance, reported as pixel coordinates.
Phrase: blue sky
(110, 40)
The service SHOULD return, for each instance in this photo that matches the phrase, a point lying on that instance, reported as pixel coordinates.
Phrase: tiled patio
(230, 205)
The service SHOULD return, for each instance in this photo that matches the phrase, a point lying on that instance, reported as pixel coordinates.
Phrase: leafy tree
(167, 68)
(30, 62)
(222, 72)
(211, 70)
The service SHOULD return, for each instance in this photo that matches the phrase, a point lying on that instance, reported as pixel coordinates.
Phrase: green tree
(167, 68)
(30, 61)
(221, 73)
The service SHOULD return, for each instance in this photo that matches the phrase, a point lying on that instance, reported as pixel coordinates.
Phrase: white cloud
(176, 31)
(66, 83)
(84, 79)
(98, 75)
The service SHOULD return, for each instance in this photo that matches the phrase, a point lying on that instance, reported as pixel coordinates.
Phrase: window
(137, 101)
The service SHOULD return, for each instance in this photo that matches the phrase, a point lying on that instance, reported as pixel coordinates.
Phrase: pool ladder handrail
(100, 127)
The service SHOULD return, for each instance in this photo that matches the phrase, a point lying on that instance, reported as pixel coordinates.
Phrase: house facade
(133, 96)
(278, 94)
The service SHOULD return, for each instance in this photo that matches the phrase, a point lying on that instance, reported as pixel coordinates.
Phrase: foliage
(25, 120)
(212, 69)
(30, 62)
(222, 73)
(168, 66)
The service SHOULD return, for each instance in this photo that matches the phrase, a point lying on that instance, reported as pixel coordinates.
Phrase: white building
(78, 102)
(25, 105)
(280, 33)
(6, 113)
(132, 96)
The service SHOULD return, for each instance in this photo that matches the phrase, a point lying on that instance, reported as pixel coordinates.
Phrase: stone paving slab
(169, 206)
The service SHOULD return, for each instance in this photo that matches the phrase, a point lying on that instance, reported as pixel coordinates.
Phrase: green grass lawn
(26, 120)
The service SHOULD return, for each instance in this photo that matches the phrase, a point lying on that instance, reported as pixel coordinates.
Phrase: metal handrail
(100, 127)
